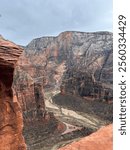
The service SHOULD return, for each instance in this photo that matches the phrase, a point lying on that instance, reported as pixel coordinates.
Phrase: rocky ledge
(11, 121)
(100, 140)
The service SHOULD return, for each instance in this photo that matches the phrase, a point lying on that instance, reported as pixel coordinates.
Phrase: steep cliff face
(78, 64)
(100, 140)
(28, 84)
(11, 121)
(74, 62)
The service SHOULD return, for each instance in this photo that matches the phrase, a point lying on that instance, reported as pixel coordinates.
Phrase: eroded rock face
(100, 140)
(28, 84)
(79, 63)
(11, 121)
(74, 62)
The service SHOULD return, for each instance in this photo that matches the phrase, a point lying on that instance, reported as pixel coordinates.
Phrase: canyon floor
(79, 116)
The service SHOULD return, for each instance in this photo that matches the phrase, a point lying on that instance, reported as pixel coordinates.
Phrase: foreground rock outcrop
(100, 140)
(11, 121)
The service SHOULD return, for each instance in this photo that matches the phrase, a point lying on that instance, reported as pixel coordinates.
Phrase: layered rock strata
(28, 84)
(11, 121)
(74, 62)
(77, 63)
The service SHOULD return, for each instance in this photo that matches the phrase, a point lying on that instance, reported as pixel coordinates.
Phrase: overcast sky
(23, 20)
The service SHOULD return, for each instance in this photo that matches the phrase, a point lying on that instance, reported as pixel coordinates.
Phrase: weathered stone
(11, 121)
(80, 62)
(29, 89)
(100, 140)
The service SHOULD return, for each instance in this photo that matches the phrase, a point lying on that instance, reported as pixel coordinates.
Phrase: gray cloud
(23, 20)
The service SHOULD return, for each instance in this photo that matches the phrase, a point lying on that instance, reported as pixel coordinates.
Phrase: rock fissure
(11, 121)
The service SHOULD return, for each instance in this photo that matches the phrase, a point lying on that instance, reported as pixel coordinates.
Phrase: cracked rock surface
(11, 121)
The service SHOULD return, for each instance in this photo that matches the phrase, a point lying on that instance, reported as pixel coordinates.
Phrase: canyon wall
(28, 84)
(11, 121)
(77, 63)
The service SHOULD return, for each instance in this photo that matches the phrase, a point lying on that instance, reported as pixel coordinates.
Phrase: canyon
(63, 87)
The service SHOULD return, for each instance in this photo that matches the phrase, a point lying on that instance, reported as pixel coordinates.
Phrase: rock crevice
(11, 122)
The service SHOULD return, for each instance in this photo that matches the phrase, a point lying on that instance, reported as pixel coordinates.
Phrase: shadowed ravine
(78, 119)
(78, 124)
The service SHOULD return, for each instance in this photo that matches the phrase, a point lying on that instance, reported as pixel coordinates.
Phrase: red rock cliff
(80, 63)
(100, 140)
(11, 123)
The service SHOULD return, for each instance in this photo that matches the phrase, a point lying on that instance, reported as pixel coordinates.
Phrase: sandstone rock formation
(79, 63)
(11, 121)
(28, 84)
(100, 140)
